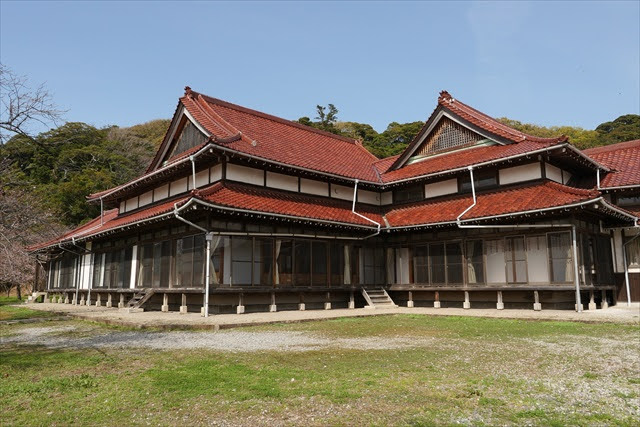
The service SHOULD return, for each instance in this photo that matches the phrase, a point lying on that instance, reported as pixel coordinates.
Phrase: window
(98, 273)
(241, 250)
(633, 253)
(408, 194)
(628, 201)
(420, 264)
(482, 179)
(516, 260)
(336, 257)
(560, 257)
(67, 270)
(454, 262)
(475, 264)
(117, 268)
(262, 260)
(284, 262)
(373, 261)
(319, 263)
(437, 263)
(190, 261)
(302, 257)
(494, 250)
(155, 259)
(537, 259)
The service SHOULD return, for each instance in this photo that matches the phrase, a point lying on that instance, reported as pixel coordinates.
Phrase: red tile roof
(461, 159)
(258, 200)
(281, 140)
(520, 198)
(624, 160)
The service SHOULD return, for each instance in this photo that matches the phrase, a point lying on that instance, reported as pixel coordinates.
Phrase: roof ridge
(276, 119)
(447, 100)
(624, 145)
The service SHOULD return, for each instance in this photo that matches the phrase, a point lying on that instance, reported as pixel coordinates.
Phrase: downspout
(193, 171)
(573, 229)
(626, 268)
(353, 211)
(208, 238)
(598, 179)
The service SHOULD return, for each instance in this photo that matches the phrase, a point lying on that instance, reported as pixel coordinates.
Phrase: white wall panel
(245, 174)
(441, 188)
(282, 182)
(178, 186)
(341, 192)
(310, 186)
(520, 173)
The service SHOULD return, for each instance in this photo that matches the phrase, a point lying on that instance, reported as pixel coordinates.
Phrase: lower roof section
(536, 198)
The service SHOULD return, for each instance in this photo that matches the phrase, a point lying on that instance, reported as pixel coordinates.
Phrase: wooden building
(243, 211)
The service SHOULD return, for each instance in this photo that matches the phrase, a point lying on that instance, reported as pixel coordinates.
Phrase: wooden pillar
(240, 308)
(327, 304)
(536, 304)
(500, 304)
(36, 281)
(436, 302)
(410, 300)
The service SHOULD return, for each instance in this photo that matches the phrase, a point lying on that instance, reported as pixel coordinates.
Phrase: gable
(187, 137)
(447, 135)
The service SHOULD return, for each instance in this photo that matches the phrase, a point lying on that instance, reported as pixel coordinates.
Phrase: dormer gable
(454, 125)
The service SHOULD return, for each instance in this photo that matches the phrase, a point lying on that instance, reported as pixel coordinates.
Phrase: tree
(22, 107)
(327, 118)
(624, 128)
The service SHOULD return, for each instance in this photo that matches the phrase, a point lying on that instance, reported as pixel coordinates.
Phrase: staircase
(34, 297)
(139, 299)
(377, 298)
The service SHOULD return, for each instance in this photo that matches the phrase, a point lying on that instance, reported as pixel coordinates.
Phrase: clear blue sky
(550, 63)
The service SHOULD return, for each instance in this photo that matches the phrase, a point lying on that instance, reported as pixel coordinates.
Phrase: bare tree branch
(22, 107)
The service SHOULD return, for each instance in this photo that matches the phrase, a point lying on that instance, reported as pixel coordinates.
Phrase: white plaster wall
(178, 186)
(131, 204)
(122, 207)
(441, 188)
(146, 198)
(161, 192)
(215, 173)
(202, 179)
(566, 176)
(310, 186)
(520, 173)
(341, 192)
(553, 173)
(386, 198)
(369, 197)
(245, 174)
(282, 182)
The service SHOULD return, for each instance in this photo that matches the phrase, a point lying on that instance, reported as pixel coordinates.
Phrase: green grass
(470, 371)
(8, 311)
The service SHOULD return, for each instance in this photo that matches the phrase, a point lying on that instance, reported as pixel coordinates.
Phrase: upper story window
(447, 135)
(189, 137)
(628, 201)
(482, 180)
(408, 194)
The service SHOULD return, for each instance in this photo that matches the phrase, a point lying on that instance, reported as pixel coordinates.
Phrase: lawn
(8, 310)
(448, 370)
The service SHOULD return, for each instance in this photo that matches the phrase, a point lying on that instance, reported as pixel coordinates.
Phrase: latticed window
(446, 136)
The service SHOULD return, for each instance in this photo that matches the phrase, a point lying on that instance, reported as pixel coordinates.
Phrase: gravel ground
(75, 336)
